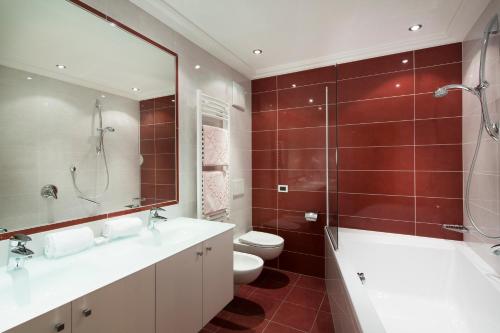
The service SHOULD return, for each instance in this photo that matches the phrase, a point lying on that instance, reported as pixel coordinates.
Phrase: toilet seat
(261, 239)
(262, 244)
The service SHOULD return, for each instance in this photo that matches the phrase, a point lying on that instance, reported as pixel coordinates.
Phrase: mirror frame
(67, 223)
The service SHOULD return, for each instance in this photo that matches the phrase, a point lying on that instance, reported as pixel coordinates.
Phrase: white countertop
(45, 284)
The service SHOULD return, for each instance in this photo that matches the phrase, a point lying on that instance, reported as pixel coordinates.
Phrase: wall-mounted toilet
(247, 267)
(265, 245)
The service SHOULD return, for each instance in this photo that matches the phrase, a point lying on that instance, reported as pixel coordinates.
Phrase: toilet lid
(261, 239)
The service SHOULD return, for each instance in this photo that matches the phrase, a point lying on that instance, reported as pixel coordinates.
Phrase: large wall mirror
(88, 116)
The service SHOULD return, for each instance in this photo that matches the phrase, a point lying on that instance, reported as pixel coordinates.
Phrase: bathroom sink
(45, 284)
(172, 232)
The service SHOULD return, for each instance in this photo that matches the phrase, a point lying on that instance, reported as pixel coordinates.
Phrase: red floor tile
(323, 323)
(269, 305)
(289, 278)
(277, 328)
(295, 316)
(325, 306)
(245, 291)
(305, 297)
(244, 324)
(272, 288)
(311, 282)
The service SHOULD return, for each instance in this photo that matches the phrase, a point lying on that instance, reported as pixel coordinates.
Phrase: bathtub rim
(367, 317)
(365, 311)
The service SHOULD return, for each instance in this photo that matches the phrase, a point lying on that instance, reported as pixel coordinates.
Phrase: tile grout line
(319, 309)
(282, 301)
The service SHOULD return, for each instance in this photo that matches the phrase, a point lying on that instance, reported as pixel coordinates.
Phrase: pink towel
(216, 146)
(215, 197)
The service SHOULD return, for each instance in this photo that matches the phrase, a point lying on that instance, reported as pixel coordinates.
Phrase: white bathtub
(413, 284)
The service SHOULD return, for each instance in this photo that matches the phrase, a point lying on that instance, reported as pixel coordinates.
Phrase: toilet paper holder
(311, 216)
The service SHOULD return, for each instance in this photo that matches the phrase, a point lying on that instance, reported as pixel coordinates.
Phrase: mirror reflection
(86, 128)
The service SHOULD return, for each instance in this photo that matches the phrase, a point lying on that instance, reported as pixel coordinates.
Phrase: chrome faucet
(154, 217)
(18, 252)
(495, 250)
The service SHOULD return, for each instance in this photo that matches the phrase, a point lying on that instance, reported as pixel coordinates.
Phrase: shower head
(443, 91)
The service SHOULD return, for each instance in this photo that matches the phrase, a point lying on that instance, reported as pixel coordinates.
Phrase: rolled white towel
(66, 242)
(122, 227)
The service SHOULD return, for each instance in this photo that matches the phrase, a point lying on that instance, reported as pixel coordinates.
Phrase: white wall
(485, 189)
(46, 126)
(214, 78)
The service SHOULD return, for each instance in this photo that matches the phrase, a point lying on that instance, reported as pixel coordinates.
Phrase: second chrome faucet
(155, 217)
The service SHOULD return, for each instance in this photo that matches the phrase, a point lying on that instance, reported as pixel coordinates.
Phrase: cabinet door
(179, 292)
(57, 320)
(218, 279)
(125, 306)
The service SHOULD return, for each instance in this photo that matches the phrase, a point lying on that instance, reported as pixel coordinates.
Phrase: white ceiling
(301, 34)
(37, 35)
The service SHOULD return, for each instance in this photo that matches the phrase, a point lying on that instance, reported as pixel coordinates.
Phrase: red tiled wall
(288, 140)
(157, 135)
(399, 150)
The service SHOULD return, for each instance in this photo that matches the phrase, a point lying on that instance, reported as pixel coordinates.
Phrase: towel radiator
(214, 112)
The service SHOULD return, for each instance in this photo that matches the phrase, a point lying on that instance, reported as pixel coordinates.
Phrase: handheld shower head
(443, 91)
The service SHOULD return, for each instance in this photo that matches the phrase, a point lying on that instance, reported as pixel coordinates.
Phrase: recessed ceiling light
(103, 96)
(405, 61)
(136, 89)
(257, 51)
(29, 78)
(197, 67)
(113, 24)
(61, 66)
(415, 27)
(294, 85)
(398, 85)
(311, 100)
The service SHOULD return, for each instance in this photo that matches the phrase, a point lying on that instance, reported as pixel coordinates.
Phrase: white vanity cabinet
(57, 320)
(182, 287)
(218, 275)
(194, 285)
(125, 306)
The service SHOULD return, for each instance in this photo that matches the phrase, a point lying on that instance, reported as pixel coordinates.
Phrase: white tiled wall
(46, 126)
(485, 189)
(214, 78)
